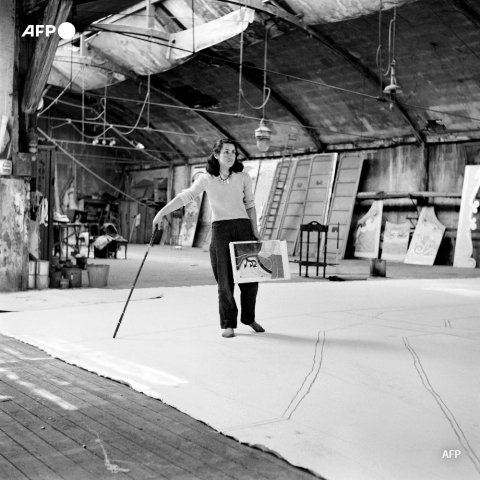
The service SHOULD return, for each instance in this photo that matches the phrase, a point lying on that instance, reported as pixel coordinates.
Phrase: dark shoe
(228, 333)
(258, 328)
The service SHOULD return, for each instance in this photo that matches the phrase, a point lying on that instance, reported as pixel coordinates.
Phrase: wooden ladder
(267, 227)
(294, 207)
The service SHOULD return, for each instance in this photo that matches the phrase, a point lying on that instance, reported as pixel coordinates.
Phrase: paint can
(6, 167)
(64, 283)
(55, 277)
(378, 268)
(42, 282)
(32, 272)
(98, 275)
(74, 276)
(43, 267)
(43, 275)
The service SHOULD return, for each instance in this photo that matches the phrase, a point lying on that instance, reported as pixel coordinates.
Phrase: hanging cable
(265, 88)
(139, 115)
(105, 110)
(83, 88)
(100, 114)
(240, 70)
(50, 139)
(62, 92)
(193, 25)
(265, 73)
(148, 104)
(391, 40)
(71, 122)
(379, 50)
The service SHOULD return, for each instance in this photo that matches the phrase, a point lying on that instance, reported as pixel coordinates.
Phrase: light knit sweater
(229, 201)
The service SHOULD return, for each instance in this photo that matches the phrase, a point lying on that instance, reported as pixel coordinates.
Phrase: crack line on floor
(297, 399)
(443, 407)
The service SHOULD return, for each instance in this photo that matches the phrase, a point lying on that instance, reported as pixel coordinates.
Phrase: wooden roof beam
(56, 13)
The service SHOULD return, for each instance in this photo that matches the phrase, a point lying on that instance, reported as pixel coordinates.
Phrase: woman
(234, 219)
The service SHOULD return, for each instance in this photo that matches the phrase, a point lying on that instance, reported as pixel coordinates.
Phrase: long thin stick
(136, 278)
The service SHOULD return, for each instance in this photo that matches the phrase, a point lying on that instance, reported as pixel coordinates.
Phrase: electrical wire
(139, 116)
(61, 93)
(246, 117)
(52, 140)
(116, 147)
(285, 76)
(212, 57)
(241, 93)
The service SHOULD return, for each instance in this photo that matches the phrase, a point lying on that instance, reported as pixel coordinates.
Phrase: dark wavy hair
(213, 165)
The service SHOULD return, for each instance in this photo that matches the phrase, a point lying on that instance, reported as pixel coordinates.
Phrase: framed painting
(263, 261)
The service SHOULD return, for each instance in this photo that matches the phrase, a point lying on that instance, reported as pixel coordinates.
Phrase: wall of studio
(436, 168)
(407, 168)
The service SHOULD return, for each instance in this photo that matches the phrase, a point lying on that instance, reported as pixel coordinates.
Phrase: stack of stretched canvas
(423, 248)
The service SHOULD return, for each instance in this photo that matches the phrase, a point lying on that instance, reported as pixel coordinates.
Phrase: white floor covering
(369, 380)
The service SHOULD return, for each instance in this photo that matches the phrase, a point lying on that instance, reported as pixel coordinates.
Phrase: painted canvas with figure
(263, 261)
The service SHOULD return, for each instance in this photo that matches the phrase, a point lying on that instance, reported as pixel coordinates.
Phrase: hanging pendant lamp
(393, 88)
(262, 135)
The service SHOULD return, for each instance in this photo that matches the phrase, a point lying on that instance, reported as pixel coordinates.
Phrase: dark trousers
(224, 232)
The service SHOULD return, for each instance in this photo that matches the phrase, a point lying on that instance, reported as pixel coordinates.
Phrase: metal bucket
(42, 282)
(74, 275)
(98, 275)
(43, 267)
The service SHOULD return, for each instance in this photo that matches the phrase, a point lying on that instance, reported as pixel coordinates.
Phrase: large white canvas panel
(367, 233)
(395, 241)
(466, 220)
(348, 388)
(426, 239)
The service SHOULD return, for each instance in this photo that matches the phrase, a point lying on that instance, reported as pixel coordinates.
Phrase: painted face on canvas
(227, 155)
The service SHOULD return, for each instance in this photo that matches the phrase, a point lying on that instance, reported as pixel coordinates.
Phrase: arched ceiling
(323, 75)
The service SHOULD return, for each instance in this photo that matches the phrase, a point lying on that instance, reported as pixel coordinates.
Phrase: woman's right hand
(157, 221)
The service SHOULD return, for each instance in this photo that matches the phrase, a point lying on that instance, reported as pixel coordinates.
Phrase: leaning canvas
(263, 261)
